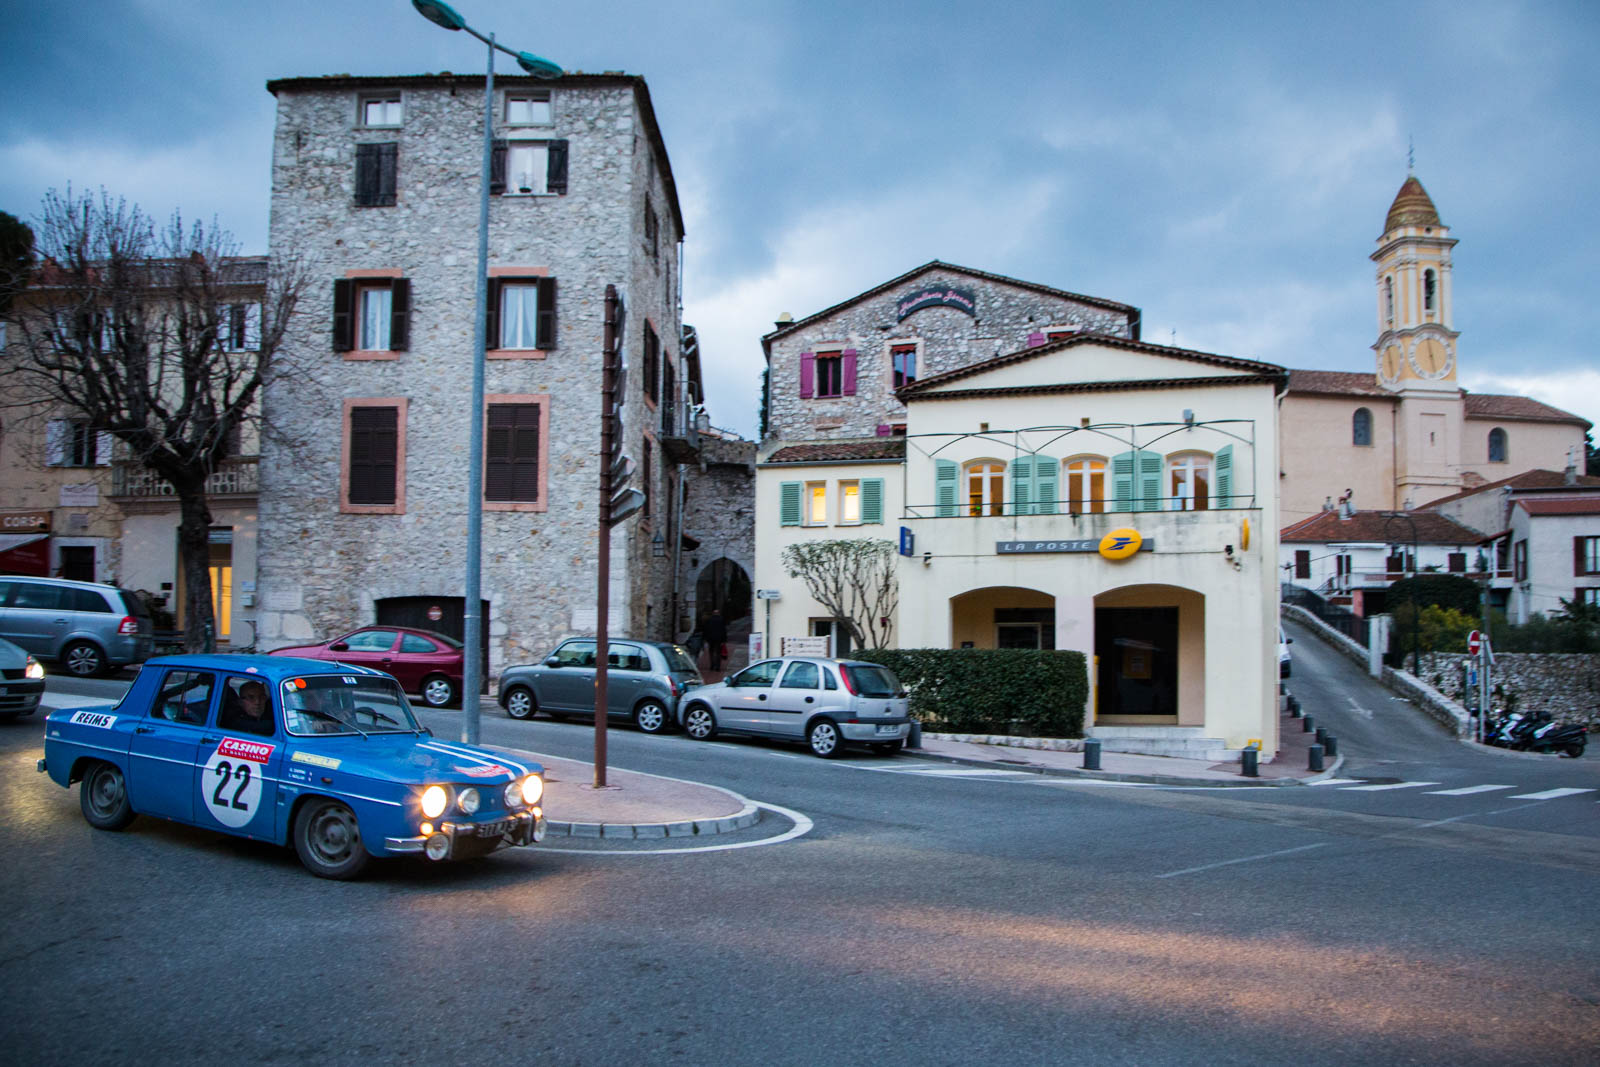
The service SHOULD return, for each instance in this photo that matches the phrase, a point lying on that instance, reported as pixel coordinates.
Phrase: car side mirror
(1291, 640)
(552, 662)
(903, 694)
(427, 731)
(339, 646)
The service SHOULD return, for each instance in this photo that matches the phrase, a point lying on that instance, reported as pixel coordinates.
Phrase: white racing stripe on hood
(517, 769)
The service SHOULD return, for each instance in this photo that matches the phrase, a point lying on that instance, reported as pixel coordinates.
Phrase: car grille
(14, 674)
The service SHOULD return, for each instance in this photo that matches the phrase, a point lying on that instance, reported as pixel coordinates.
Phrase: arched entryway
(725, 586)
(1149, 643)
(1003, 617)
(441, 614)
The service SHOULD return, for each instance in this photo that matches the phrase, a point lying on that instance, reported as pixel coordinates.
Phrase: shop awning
(25, 554)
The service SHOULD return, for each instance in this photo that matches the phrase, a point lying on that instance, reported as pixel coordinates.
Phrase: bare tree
(138, 331)
(854, 581)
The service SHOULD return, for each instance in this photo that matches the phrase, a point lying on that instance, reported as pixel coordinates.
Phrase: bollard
(1314, 755)
(1307, 725)
(1294, 708)
(914, 737)
(1247, 763)
(1330, 746)
(1091, 755)
(1322, 737)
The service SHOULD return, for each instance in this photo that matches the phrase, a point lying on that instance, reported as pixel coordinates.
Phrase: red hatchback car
(420, 660)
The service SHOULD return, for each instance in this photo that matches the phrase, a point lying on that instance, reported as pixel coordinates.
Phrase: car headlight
(434, 801)
(468, 801)
(35, 668)
(513, 794)
(532, 788)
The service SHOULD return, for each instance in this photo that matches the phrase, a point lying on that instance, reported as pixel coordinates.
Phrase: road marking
(1550, 794)
(1365, 713)
(1242, 859)
(1468, 791)
(1385, 785)
(1338, 781)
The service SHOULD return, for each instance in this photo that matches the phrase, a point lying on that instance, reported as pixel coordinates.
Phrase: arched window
(1361, 427)
(1388, 300)
(1497, 445)
(986, 487)
(1430, 287)
(1086, 484)
(1189, 481)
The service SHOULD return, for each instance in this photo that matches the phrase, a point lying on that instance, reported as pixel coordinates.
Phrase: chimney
(1347, 504)
(1572, 466)
(783, 320)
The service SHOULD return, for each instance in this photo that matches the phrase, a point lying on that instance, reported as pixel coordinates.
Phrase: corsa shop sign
(24, 522)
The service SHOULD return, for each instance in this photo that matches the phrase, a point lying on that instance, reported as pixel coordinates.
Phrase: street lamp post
(442, 14)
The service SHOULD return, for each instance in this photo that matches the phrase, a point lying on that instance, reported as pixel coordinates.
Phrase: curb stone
(749, 816)
(1146, 779)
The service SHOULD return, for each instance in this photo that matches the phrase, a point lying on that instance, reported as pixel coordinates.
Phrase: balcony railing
(235, 477)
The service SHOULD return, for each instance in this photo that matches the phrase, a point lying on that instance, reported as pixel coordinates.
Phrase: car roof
(271, 668)
(35, 579)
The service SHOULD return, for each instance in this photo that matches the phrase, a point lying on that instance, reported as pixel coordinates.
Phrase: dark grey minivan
(644, 682)
(85, 626)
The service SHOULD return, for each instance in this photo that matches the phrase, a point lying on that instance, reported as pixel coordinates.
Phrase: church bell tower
(1416, 345)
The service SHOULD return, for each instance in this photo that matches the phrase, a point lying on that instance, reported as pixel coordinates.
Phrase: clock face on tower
(1389, 361)
(1432, 357)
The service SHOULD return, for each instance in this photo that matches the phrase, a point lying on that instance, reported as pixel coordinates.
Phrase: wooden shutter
(789, 504)
(545, 328)
(1149, 465)
(491, 315)
(388, 168)
(1022, 486)
(344, 295)
(1302, 563)
(1580, 558)
(366, 174)
(1223, 498)
(808, 373)
(1122, 496)
(1046, 484)
(872, 500)
(511, 455)
(884, 429)
(945, 476)
(399, 314)
(848, 360)
(1035, 340)
(374, 447)
(555, 178)
(497, 170)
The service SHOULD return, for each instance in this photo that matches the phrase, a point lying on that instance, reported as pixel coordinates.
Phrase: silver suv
(85, 626)
(824, 702)
(644, 680)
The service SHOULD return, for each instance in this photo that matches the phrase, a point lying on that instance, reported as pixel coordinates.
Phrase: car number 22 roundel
(230, 783)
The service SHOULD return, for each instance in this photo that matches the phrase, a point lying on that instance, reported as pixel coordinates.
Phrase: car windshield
(872, 681)
(346, 704)
(678, 659)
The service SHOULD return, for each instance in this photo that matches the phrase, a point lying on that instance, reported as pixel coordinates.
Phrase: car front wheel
(699, 723)
(83, 659)
(520, 703)
(650, 717)
(825, 739)
(328, 840)
(438, 692)
(103, 796)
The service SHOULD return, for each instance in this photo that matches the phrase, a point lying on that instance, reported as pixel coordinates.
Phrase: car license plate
(4, 691)
(494, 829)
(888, 729)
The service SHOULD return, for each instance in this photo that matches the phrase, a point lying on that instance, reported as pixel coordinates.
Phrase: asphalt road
(925, 918)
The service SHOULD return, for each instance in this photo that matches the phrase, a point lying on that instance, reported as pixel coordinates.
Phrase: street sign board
(908, 542)
(625, 503)
(768, 594)
(1474, 642)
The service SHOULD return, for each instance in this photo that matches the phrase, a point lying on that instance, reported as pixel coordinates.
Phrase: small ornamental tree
(854, 581)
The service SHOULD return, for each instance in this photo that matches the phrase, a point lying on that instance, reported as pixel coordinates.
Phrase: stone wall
(1566, 685)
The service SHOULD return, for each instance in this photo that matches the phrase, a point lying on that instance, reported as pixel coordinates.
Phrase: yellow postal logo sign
(1120, 544)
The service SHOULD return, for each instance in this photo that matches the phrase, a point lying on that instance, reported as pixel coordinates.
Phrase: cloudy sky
(1226, 167)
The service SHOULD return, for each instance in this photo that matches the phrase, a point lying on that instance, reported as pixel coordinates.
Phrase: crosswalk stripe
(1468, 791)
(1550, 794)
(1385, 785)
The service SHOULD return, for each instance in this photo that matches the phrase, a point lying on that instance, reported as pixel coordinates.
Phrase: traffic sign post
(616, 504)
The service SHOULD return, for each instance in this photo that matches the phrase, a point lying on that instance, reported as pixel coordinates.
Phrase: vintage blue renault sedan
(324, 755)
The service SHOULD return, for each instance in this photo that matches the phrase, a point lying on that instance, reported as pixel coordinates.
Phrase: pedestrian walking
(715, 629)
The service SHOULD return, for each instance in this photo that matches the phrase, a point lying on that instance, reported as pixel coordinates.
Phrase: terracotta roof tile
(1336, 383)
(821, 452)
(1534, 479)
(1375, 526)
(1412, 207)
(1503, 406)
(1579, 506)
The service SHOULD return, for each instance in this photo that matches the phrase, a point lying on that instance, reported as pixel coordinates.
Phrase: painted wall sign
(936, 296)
(1088, 544)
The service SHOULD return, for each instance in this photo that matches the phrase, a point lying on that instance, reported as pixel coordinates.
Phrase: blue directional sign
(908, 542)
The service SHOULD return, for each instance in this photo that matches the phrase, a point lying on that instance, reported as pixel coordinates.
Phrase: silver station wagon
(644, 681)
(826, 703)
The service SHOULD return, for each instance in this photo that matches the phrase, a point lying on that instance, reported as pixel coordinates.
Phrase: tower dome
(1412, 207)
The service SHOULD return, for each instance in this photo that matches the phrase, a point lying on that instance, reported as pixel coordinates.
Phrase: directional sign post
(616, 504)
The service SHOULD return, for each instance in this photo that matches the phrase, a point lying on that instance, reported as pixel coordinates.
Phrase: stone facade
(325, 566)
(1005, 315)
(1566, 685)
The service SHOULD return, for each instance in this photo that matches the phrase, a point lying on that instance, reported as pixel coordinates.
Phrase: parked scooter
(1536, 732)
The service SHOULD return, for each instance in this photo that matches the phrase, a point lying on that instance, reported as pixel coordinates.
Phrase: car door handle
(144, 729)
(209, 740)
(762, 696)
(810, 699)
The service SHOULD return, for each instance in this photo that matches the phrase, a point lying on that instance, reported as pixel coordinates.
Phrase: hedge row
(992, 691)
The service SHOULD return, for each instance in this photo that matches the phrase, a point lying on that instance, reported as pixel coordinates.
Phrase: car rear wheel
(1575, 750)
(520, 703)
(825, 739)
(328, 840)
(103, 796)
(888, 748)
(699, 723)
(650, 717)
(438, 691)
(83, 658)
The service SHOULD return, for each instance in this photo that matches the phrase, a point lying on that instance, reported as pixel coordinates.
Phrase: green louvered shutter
(945, 474)
(789, 504)
(1122, 498)
(1046, 484)
(1224, 495)
(1149, 466)
(872, 500)
(1022, 486)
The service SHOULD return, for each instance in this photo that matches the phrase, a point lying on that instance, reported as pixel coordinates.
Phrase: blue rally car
(324, 755)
